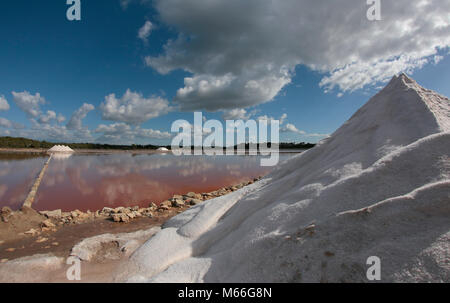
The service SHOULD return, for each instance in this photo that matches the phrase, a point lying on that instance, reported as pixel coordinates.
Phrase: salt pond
(92, 181)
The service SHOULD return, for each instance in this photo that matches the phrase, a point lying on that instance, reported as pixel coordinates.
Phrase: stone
(166, 203)
(153, 205)
(54, 214)
(120, 218)
(195, 201)
(190, 195)
(177, 197)
(48, 223)
(177, 203)
(6, 210)
(31, 232)
(107, 210)
(163, 207)
(42, 239)
(10, 249)
(135, 208)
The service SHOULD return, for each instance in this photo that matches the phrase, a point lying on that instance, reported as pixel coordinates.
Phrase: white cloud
(262, 41)
(46, 118)
(133, 108)
(3, 103)
(293, 129)
(60, 118)
(5, 123)
(236, 114)
(144, 31)
(122, 132)
(75, 121)
(282, 119)
(29, 103)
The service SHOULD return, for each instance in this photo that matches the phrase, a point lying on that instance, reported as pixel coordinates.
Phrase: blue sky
(239, 65)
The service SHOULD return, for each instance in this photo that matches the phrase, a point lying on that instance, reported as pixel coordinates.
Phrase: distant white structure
(60, 149)
(162, 149)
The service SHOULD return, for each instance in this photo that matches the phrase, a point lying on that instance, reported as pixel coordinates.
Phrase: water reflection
(94, 181)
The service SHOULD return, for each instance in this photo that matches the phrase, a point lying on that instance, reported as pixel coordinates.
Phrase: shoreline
(27, 232)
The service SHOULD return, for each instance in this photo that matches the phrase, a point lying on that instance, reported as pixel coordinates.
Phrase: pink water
(90, 182)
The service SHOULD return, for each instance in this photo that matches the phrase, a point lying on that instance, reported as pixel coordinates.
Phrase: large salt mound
(379, 186)
(60, 149)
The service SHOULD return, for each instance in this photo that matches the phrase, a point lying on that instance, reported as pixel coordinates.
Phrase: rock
(177, 203)
(135, 208)
(190, 195)
(42, 239)
(6, 210)
(31, 232)
(48, 223)
(153, 205)
(10, 249)
(195, 201)
(55, 243)
(166, 203)
(163, 207)
(54, 214)
(77, 213)
(107, 210)
(177, 197)
(120, 218)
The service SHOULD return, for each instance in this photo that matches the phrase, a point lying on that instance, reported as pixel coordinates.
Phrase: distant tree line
(11, 142)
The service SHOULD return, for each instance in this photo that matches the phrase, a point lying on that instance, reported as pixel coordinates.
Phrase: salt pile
(379, 186)
(60, 149)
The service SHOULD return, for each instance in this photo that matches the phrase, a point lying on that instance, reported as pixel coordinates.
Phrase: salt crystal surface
(379, 186)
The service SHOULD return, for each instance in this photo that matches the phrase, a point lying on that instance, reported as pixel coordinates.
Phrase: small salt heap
(60, 149)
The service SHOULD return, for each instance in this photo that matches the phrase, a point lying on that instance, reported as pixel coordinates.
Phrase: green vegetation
(11, 142)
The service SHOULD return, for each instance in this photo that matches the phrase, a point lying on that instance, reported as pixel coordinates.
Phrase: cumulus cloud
(282, 119)
(133, 108)
(236, 114)
(144, 31)
(75, 122)
(293, 129)
(242, 54)
(29, 103)
(3, 103)
(122, 132)
(46, 118)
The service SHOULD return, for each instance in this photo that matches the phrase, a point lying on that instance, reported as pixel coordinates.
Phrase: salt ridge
(379, 186)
